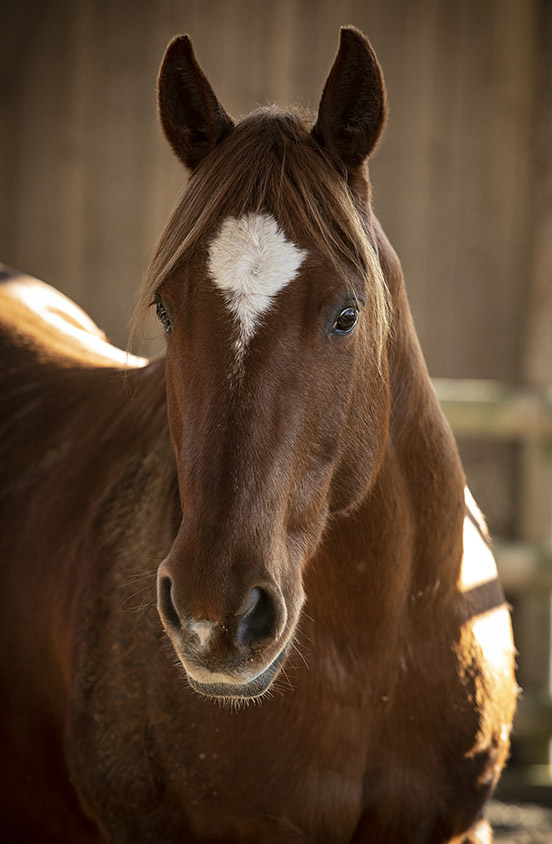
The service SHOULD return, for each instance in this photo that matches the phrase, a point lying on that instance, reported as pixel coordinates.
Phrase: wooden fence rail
(491, 409)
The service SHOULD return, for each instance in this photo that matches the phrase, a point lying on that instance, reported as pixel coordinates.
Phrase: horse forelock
(270, 167)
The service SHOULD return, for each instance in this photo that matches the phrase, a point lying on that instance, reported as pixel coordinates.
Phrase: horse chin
(234, 692)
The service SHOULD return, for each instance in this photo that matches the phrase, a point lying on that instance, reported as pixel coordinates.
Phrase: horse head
(268, 284)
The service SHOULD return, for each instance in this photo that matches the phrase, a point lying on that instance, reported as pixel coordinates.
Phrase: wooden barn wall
(87, 182)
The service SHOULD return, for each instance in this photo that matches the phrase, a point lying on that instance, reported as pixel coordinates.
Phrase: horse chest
(155, 762)
(207, 779)
(268, 773)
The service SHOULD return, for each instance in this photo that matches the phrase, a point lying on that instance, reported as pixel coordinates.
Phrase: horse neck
(421, 448)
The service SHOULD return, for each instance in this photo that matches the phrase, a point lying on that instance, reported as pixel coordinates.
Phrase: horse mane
(270, 163)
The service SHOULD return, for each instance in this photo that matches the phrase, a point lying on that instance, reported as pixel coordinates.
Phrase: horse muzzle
(231, 655)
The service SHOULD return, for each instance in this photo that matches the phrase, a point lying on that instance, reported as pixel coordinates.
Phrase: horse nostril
(259, 620)
(167, 608)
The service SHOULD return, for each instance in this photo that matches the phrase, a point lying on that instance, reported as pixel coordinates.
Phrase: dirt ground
(520, 823)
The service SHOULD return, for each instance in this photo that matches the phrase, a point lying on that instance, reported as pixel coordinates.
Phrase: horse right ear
(192, 118)
(352, 110)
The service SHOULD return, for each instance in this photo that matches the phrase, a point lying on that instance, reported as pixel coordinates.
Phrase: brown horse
(274, 514)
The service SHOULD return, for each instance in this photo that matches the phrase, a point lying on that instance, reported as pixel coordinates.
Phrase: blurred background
(462, 184)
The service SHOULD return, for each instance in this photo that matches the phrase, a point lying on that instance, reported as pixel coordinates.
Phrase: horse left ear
(192, 118)
(352, 110)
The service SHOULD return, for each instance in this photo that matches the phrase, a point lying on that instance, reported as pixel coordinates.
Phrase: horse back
(36, 318)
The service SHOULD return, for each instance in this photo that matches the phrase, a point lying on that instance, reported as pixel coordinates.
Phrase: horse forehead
(250, 261)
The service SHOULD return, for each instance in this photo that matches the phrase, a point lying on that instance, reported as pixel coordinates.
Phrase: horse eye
(346, 321)
(161, 312)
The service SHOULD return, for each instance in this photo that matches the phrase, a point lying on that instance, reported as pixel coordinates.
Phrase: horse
(246, 594)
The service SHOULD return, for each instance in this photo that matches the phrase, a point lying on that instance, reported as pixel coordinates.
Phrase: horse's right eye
(161, 312)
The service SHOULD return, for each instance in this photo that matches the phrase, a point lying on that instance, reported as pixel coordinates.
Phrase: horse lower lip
(255, 688)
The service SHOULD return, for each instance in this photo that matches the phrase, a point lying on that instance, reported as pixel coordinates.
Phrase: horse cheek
(361, 454)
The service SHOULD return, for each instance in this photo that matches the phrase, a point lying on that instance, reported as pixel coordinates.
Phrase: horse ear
(192, 118)
(352, 110)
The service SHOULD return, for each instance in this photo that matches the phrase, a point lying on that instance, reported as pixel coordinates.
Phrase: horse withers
(246, 596)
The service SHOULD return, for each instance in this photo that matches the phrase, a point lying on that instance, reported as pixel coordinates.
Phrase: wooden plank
(537, 355)
(524, 567)
(489, 409)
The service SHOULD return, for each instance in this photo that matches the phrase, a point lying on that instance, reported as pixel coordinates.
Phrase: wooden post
(534, 613)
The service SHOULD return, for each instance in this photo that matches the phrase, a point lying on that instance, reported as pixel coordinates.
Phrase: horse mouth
(234, 691)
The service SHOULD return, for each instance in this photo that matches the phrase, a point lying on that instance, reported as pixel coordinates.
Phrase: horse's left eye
(346, 321)
(161, 312)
